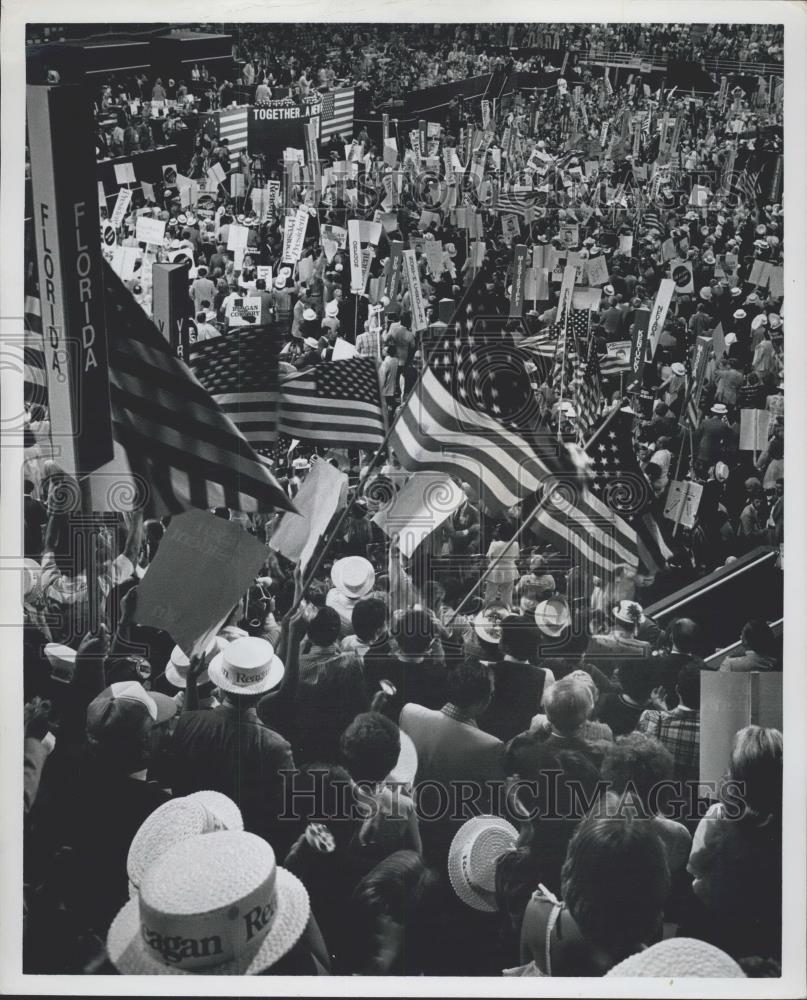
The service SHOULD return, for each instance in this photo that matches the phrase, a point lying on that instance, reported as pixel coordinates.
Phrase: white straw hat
(246, 666)
(623, 611)
(488, 622)
(679, 958)
(472, 857)
(353, 576)
(552, 616)
(214, 904)
(176, 671)
(174, 821)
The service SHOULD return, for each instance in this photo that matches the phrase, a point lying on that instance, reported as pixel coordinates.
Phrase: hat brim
(272, 679)
(222, 806)
(128, 952)
(175, 678)
(166, 707)
(349, 590)
(478, 899)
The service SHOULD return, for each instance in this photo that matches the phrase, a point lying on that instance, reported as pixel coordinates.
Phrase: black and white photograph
(394, 499)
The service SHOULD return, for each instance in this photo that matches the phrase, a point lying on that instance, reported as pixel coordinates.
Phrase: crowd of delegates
(295, 776)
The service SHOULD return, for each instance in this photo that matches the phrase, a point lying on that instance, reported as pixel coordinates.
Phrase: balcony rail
(723, 67)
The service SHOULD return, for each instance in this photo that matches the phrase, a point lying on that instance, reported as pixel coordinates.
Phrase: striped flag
(335, 402)
(232, 125)
(587, 394)
(337, 113)
(652, 220)
(174, 435)
(517, 204)
(543, 344)
(35, 387)
(240, 373)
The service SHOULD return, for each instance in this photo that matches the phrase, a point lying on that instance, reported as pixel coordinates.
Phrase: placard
(317, 500)
(335, 233)
(681, 273)
(298, 231)
(216, 174)
(419, 320)
(342, 350)
(237, 237)
(412, 514)
(150, 231)
(518, 289)
(658, 314)
(354, 242)
(754, 429)
(121, 206)
(569, 235)
(216, 560)
(236, 185)
(683, 499)
(597, 271)
(511, 228)
(124, 173)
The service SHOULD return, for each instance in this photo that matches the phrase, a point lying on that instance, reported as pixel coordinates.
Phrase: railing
(723, 67)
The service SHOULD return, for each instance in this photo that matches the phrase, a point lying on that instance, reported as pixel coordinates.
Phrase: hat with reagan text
(246, 666)
(212, 904)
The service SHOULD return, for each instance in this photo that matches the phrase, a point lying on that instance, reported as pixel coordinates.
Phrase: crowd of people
(388, 768)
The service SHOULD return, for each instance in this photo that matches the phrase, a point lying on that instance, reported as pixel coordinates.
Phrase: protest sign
(298, 230)
(150, 231)
(426, 500)
(244, 311)
(354, 241)
(658, 313)
(419, 320)
(335, 233)
(121, 206)
(216, 559)
(237, 237)
(683, 499)
(124, 173)
(754, 429)
(520, 266)
(681, 273)
(217, 175)
(318, 499)
(597, 271)
(511, 228)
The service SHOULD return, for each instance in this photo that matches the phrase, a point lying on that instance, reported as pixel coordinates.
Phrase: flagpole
(528, 520)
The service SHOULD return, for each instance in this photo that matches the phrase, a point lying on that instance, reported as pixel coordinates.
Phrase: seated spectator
(621, 709)
(678, 728)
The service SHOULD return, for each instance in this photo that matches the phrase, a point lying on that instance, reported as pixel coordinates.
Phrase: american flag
(239, 371)
(174, 435)
(517, 204)
(233, 126)
(588, 400)
(652, 220)
(35, 387)
(335, 402)
(622, 486)
(568, 349)
(543, 344)
(337, 113)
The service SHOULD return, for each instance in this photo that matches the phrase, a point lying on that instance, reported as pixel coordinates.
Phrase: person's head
(323, 629)
(369, 619)
(469, 686)
(120, 723)
(414, 632)
(755, 771)
(635, 679)
(568, 704)
(688, 686)
(685, 636)
(636, 765)
(519, 637)
(615, 881)
(758, 636)
(370, 747)
(776, 448)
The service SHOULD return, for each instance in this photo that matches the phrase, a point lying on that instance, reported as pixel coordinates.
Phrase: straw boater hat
(246, 666)
(488, 623)
(176, 672)
(552, 616)
(214, 904)
(174, 821)
(678, 368)
(720, 409)
(353, 576)
(472, 857)
(332, 308)
(678, 958)
(625, 609)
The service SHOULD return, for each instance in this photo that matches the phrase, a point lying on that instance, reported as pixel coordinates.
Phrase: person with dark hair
(518, 684)
(394, 915)
(371, 746)
(679, 728)
(759, 650)
(369, 626)
(621, 709)
(417, 675)
(614, 884)
(453, 752)
(557, 786)
(740, 837)
(635, 768)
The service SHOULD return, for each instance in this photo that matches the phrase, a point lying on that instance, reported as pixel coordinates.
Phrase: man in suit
(461, 768)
